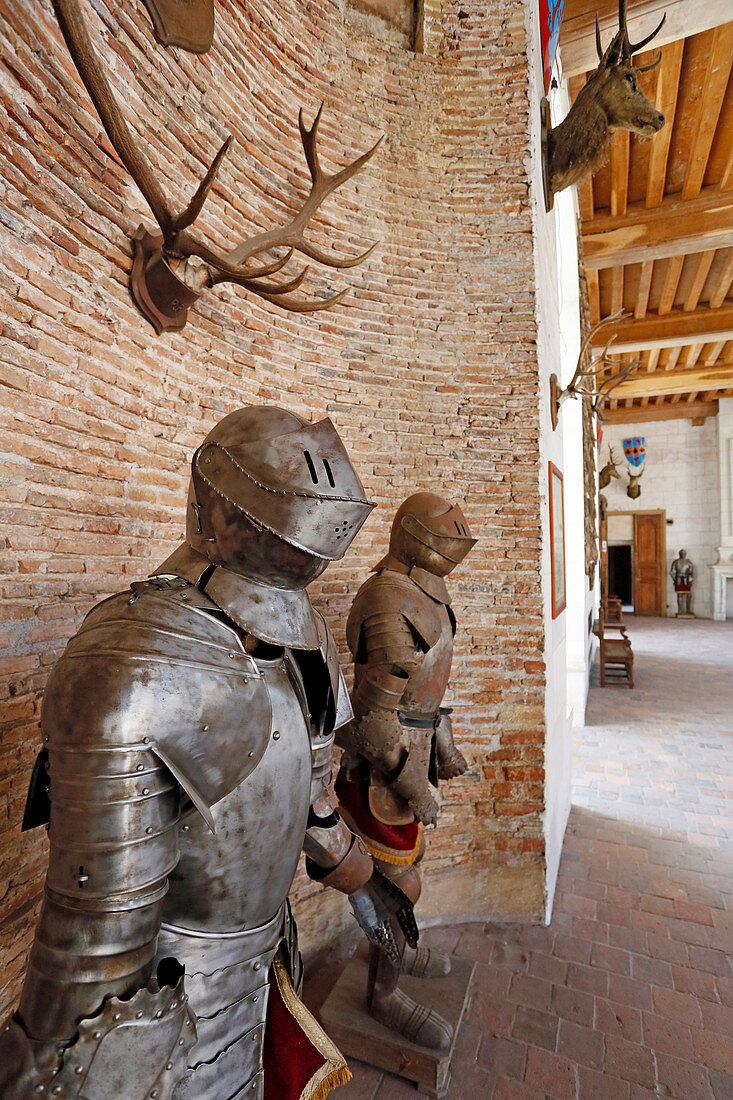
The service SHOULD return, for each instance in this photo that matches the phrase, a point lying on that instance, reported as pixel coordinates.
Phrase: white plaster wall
(682, 477)
(549, 229)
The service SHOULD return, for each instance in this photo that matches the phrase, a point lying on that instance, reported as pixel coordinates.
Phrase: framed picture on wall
(557, 540)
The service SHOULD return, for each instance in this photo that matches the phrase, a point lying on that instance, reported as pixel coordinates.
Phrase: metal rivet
(146, 790)
(56, 1090)
(185, 999)
(158, 1014)
(184, 595)
(97, 1035)
(250, 754)
(254, 999)
(146, 740)
(138, 1015)
(46, 739)
(257, 965)
(117, 1016)
(231, 655)
(276, 735)
(153, 1094)
(205, 728)
(169, 1065)
(174, 1004)
(141, 767)
(40, 1088)
(185, 828)
(180, 1042)
(149, 830)
(244, 679)
(79, 1070)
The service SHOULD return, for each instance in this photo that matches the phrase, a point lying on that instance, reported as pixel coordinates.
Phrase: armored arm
(389, 653)
(338, 858)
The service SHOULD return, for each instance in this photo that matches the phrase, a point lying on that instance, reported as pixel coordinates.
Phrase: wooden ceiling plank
(594, 296)
(702, 270)
(710, 101)
(673, 355)
(684, 17)
(675, 398)
(673, 228)
(726, 180)
(714, 352)
(668, 82)
(724, 284)
(671, 282)
(645, 282)
(692, 354)
(680, 411)
(662, 382)
(653, 359)
(677, 328)
(620, 172)
(617, 289)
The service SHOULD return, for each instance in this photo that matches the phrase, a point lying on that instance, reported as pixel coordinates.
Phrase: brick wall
(429, 369)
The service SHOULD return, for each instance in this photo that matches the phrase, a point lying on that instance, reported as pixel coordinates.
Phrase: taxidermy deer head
(633, 489)
(171, 270)
(612, 99)
(608, 471)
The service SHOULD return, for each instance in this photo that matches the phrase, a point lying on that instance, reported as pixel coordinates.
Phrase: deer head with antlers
(597, 391)
(633, 489)
(172, 269)
(612, 99)
(608, 471)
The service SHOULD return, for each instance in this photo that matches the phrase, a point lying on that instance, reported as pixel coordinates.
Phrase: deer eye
(631, 79)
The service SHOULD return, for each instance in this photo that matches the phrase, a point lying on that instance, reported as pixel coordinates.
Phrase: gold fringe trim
(386, 855)
(319, 1089)
(334, 1072)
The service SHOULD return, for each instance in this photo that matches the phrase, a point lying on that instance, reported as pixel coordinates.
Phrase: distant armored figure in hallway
(400, 632)
(683, 574)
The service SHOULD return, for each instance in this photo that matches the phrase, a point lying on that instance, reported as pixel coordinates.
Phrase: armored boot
(399, 1012)
(425, 962)
(450, 760)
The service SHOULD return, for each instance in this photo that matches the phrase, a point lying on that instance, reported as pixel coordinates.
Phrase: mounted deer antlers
(598, 364)
(611, 99)
(164, 282)
(633, 489)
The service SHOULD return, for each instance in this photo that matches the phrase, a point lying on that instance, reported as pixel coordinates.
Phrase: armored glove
(376, 905)
(450, 761)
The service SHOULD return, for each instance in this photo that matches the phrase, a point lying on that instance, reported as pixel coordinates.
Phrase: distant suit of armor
(400, 743)
(188, 732)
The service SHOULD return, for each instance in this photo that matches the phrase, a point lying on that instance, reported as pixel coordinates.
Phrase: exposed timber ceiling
(657, 219)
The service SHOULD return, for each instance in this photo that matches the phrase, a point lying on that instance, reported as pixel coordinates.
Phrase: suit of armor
(682, 572)
(188, 732)
(400, 743)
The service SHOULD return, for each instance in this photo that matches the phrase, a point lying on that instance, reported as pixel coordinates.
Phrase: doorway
(637, 555)
(620, 573)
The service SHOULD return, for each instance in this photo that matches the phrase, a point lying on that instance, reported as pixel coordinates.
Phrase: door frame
(651, 512)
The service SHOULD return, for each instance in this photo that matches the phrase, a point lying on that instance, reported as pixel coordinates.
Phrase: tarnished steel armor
(400, 742)
(188, 732)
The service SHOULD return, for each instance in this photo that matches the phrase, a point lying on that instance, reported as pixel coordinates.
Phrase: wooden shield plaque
(185, 23)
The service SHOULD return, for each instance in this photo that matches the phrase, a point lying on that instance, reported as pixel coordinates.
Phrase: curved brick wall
(429, 369)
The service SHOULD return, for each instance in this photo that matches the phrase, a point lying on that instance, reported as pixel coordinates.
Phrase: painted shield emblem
(635, 450)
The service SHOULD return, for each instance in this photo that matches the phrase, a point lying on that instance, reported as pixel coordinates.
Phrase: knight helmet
(430, 532)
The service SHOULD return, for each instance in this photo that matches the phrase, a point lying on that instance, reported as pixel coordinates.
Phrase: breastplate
(426, 687)
(239, 876)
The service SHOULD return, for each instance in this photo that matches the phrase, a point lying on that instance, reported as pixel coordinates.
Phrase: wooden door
(648, 565)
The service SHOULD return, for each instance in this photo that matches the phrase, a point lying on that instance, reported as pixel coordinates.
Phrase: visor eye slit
(455, 524)
(329, 475)
(311, 467)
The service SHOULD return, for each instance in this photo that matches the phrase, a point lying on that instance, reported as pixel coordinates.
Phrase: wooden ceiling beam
(620, 172)
(642, 294)
(675, 227)
(680, 411)
(665, 382)
(720, 293)
(668, 82)
(684, 18)
(710, 101)
(675, 329)
(671, 282)
(702, 270)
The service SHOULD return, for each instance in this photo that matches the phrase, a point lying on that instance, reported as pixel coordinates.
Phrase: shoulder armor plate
(157, 668)
(389, 592)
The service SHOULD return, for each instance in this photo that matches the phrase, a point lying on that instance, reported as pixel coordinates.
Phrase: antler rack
(589, 375)
(621, 48)
(164, 281)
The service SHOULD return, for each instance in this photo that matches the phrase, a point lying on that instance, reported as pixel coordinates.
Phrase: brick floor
(629, 993)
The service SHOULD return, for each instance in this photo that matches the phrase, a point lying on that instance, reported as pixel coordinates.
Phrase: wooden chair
(615, 655)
